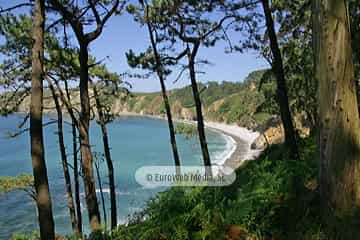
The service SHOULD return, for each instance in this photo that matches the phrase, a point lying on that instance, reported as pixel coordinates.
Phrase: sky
(122, 33)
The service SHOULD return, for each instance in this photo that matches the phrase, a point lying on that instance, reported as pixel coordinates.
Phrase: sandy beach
(241, 139)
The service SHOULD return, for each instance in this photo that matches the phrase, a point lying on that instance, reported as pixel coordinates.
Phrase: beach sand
(241, 138)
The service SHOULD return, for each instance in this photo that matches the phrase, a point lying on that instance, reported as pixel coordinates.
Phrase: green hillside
(243, 103)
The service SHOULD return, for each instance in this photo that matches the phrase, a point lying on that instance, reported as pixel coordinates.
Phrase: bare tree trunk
(70, 199)
(170, 124)
(339, 124)
(282, 95)
(108, 159)
(75, 165)
(101, 193)
(199, 116)
(86, 154)
(166, 101)
(43, 198)
(76, 178)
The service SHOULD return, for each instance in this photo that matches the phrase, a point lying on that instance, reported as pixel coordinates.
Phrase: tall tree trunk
(43, 198)
(86, 154)
(78, 26)
(101, 193)
(75, 166)
(76, 178)
(339, 124)
(160, 74)
(282, 94)
(198, 107)
(358, 93)
(70, 199)
(170, 124)
(108, 159)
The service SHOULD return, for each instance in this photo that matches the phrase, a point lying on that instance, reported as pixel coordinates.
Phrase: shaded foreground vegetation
(272, 198)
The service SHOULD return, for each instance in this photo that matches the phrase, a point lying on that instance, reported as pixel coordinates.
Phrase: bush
(268, 199)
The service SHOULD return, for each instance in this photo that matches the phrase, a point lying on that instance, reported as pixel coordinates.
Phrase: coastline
(240, 139)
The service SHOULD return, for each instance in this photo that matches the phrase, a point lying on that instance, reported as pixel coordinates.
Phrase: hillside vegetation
(243, 103)
(248, 103)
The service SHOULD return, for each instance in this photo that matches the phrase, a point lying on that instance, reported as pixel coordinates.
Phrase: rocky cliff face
(272, 132)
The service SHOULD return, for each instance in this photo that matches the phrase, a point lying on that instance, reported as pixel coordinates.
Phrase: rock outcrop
(272, 132)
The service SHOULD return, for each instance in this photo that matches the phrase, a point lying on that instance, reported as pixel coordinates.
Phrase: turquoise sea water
(135, 142)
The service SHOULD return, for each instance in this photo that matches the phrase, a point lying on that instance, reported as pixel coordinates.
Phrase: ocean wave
(220, 157)
(107, 190)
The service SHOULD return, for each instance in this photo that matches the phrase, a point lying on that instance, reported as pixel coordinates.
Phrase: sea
(135, 142)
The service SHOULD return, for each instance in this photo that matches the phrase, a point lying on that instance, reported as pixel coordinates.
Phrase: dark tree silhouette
(43, 198)
(282, 92)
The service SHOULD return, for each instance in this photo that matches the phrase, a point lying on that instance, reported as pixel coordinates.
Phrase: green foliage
(144, 60)
(256, 75)
(33, 236)
(189, 130)
(215, 91)
(182, 213)
(270, 104)
(22, 181)
(233, 102)
(293, 24)
(36, 236)
(184, 95)
(273, 197)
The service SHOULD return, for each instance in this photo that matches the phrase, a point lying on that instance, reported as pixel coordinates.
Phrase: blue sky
(122, 33)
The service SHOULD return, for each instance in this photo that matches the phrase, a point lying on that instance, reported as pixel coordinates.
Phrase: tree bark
(70, 199)
(159, 71)
(170, 124)
(76, 177)
(339, 133)
(101, 193)
(43, 198)
(85, 148)
(108, 159)
(282, 92)
(75, 165)
(198, 107)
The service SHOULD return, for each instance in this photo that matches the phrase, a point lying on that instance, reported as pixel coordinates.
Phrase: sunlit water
(135, 142)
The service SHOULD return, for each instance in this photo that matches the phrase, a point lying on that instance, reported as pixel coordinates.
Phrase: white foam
(107, 190)
(230, 147)
(246, 135)
(104, 190)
